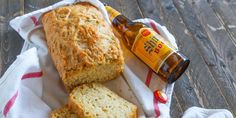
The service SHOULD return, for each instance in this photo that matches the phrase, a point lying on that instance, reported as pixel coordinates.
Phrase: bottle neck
(119, 21)
(126, 28)
(112, 13)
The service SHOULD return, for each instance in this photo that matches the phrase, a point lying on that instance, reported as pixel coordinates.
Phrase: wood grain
(149, 10)
(210, 47)
(10, 41)
(32, 5)
(129, 8)
(218, 35)
(186, 93)
(227, 20)
(176, 110)
(226, 16)
(231, 4)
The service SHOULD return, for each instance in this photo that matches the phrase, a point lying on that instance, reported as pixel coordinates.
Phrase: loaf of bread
(82, 45)
(96, 101)
(63, 112)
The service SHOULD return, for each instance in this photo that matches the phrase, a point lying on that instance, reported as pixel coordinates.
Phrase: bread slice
(63, 112)
(96, 101)
(82, 45)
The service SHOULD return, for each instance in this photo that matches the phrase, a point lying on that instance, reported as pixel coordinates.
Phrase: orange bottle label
(149, 47)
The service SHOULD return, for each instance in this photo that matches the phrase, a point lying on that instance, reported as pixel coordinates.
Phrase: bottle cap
(160, 96)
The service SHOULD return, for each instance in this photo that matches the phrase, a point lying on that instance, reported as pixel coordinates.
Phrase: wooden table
(205, 31)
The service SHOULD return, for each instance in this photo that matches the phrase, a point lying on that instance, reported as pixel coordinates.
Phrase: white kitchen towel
(196, 112)
(21, 88)
(32, 87)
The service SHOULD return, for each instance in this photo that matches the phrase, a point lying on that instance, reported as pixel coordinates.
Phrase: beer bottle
(150, 47)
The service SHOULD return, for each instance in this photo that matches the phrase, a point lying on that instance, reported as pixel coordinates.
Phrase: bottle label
(150, 48)
(112, 12)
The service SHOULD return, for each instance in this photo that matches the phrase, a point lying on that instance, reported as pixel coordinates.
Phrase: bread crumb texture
(96, 101)
(63, 112)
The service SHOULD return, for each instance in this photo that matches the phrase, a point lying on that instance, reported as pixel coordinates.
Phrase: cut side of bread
(82, 45)
(63, 112)
(96, 101)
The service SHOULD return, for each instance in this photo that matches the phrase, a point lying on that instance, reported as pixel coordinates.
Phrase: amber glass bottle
(150, 47)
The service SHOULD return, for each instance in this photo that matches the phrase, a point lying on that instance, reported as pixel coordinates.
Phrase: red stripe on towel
(155, 102)
(149, 77)
(156, 108)
(35, 20)
(9, 104)
(154, 26)
(32, 75)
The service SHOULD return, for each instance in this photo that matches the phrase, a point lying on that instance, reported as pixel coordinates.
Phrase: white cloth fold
(196, 112)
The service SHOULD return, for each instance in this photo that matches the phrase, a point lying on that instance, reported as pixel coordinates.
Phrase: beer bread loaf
(82, 45)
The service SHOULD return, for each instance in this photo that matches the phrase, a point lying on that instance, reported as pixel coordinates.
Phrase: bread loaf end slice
(96, 101)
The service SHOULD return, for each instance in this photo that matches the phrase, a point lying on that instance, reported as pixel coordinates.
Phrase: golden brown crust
(78, 109)
(63, 112)
(134, 112)
(78, 38)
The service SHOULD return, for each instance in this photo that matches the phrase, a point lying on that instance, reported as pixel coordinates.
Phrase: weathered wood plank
(197, 67)
(176, 110)
(10, 41)
(127, 7)
(226, 15)
(219, 69)
(32, 5)
(183, 97)
(232, 4)
(185, 93)
(149, 11)
(211, 47)
(219, 36)
(227, 19)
